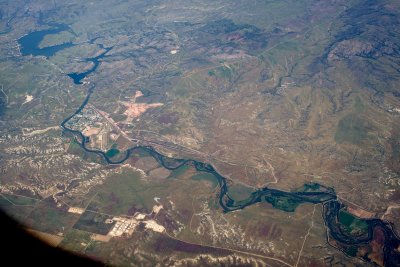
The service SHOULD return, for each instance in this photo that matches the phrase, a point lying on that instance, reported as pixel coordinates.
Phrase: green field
(74, 239)
(206, 177)
(283, 203)
(178, 172)
(94, 223)
(352, 224)
(351, 129)
(239, 192)
(8, 199)
(124, 192)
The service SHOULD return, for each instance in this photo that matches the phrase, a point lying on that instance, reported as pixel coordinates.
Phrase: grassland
(352, 128)
(271, 93)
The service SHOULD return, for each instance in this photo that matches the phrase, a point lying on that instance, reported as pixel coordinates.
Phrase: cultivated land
(270, 93)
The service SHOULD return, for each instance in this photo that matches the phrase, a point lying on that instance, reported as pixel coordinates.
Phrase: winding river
(311, 193)
(283, 200)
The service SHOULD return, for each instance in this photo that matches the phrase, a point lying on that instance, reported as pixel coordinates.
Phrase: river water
(29, 44)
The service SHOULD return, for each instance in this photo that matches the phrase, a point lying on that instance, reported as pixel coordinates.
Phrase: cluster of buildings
(87, 118)
(126, 226)
(122, 226)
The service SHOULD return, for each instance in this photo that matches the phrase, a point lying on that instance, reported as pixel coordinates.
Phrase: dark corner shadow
(19, 248)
